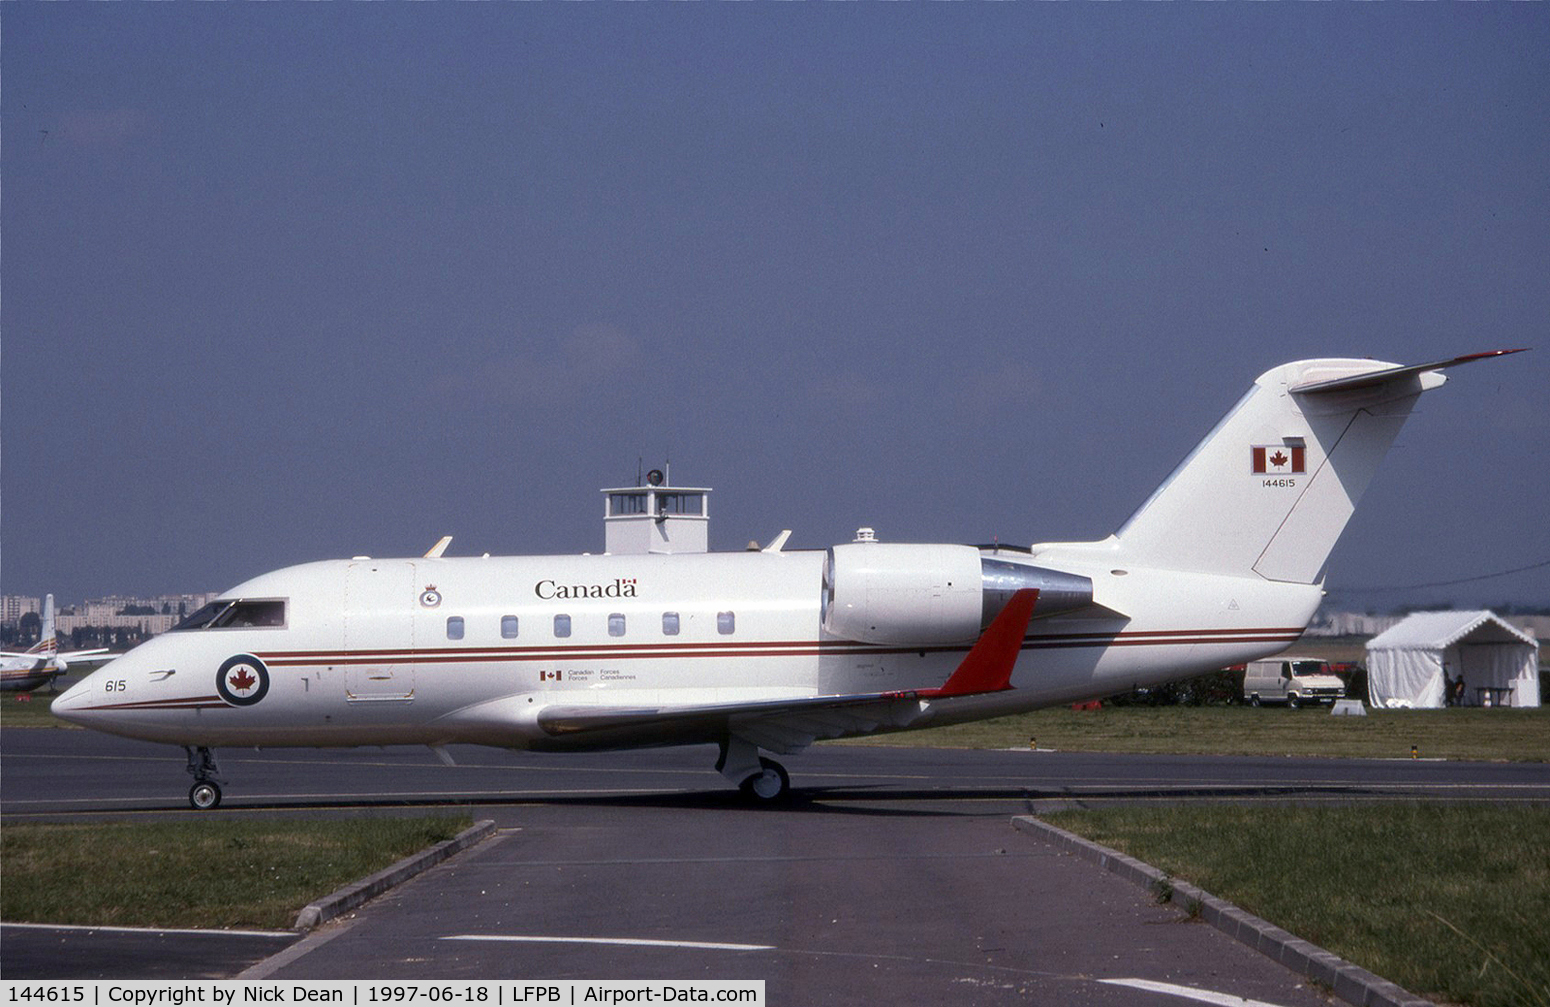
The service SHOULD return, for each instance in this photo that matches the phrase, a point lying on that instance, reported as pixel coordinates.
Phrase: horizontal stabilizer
(1379, 377)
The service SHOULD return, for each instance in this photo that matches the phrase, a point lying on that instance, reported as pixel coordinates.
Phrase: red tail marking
(988, 665)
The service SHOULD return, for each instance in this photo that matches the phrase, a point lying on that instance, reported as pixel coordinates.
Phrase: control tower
(655, 518)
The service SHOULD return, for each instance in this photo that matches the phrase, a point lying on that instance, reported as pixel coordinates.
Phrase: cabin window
(239, 614)
(669, 623)
(726, 623)
(508, 627)
(454, 627)
(616, 624)
(562, 625)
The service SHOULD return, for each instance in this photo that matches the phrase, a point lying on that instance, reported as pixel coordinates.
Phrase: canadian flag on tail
(1279, 459)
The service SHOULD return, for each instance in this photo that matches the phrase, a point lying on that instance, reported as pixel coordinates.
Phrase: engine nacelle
(921, 595)
(911, 595)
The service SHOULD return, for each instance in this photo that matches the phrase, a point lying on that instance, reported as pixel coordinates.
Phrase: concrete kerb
(1351, 983)
(362, 891)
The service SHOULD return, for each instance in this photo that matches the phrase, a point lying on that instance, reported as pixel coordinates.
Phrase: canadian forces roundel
(243, 680)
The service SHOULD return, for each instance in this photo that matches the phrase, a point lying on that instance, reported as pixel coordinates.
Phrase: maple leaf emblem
(242, 681)
(1278, 459)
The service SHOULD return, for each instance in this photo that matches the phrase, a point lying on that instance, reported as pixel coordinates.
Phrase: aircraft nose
(70, 704)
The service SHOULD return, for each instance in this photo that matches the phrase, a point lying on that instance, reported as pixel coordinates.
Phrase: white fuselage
(438, 651)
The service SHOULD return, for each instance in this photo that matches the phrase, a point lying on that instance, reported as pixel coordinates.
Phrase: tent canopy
(1415, 663)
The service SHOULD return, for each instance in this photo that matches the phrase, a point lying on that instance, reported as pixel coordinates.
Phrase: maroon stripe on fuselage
(184, 703)
(788, 648)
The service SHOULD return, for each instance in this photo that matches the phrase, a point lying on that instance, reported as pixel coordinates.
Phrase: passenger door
(379, 630)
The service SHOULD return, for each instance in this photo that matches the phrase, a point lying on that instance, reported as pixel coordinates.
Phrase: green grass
(1474, 734)
(220, 874)
(31, 712)
(1451, 901)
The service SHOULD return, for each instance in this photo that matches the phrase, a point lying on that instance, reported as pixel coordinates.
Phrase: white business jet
(658, 642)
(40, 664)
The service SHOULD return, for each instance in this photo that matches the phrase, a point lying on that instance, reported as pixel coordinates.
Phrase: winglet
(988, 665)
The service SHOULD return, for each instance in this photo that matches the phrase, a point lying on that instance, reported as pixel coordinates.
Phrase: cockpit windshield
(243, 613)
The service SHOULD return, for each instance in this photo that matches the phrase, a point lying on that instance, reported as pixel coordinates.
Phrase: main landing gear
(206, 791)
(761, 780)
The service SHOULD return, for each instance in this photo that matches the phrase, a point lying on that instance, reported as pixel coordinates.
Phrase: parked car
(1295, 681)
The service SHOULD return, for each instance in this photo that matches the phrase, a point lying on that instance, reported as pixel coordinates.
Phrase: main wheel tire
(1291, 701)
(1254, 699)
(204, 795)
(769, 785)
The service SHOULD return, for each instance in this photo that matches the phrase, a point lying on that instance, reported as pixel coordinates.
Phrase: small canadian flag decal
(548, 676)
(1280, 459)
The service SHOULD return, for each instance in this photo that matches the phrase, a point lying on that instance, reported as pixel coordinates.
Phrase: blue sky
(289, 282)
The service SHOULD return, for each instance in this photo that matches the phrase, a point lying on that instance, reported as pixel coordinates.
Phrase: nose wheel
(206, 791)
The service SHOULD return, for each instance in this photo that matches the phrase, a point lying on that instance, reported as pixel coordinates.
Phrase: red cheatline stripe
(184, 703)
(481, 655)
(1151, 642)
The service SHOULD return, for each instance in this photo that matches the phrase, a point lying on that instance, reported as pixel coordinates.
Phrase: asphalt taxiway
(893, 871)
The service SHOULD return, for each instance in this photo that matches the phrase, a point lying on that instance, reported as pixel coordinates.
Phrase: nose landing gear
(206, 791)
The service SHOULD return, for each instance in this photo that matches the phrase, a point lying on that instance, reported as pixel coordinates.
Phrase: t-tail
(1269, 491)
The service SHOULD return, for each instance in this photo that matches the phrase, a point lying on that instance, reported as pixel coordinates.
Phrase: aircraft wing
(66, 659)
(787, 725)
(93, 658)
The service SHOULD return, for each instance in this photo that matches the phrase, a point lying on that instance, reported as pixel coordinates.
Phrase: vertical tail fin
(1271, 488)
(48, 642)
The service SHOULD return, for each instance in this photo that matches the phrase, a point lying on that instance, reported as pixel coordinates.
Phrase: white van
(1294, 681)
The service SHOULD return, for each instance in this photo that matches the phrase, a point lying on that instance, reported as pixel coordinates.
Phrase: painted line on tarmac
(152, 930)
(1189, 993)
(634, 942)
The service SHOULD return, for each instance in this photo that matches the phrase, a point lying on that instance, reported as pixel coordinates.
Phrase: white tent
(1416, 662)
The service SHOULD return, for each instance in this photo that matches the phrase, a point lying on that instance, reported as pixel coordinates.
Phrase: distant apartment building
(14, 606)
(148, 616)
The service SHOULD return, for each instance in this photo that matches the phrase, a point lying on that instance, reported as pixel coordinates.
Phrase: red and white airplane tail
(42, 662)
(48, 645)
(1269, 491)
